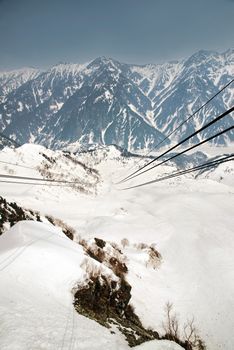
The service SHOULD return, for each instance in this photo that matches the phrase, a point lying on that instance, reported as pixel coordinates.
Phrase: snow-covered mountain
(201, 76)
(12, 80)
(106, 102)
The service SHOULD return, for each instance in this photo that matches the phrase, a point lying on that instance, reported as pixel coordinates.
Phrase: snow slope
(190, 222)
(39, 266)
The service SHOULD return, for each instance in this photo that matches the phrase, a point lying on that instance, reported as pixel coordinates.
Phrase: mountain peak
(106, 101)
(103, 61)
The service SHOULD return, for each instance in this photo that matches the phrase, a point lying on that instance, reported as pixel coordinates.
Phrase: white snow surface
(190, 221)
(162, 345)
(39, 266)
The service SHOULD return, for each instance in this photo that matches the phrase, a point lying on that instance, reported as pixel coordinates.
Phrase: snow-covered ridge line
(23, 71)
(133, 106)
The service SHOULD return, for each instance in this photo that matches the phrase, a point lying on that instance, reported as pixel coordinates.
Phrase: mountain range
(107, 102)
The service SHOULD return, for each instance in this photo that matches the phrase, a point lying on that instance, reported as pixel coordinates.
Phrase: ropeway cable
(35, 183)
(209, 164)
(181, 124)
(137, 173)
(186, 150)
(36, 179)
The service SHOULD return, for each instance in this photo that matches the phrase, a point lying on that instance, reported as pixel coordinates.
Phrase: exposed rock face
(11, 213)
(107, 302)
(105, 295)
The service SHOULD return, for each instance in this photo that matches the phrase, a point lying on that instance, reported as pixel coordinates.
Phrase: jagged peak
(66, 68)
(103, 61)
(200, 56)
(20, 71)
(203, 56)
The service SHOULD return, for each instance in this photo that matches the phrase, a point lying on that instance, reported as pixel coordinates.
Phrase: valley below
(87, 264)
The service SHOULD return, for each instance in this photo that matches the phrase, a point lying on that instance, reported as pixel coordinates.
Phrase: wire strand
(181, 124)
(180, 173)
(35, 179)
(186, 150)
(18, 165)
(34, 183)
(137, 173)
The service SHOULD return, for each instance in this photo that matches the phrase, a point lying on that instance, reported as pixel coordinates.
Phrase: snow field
(190, 222)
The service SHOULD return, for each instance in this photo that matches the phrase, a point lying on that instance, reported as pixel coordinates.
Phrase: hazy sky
(42, 33)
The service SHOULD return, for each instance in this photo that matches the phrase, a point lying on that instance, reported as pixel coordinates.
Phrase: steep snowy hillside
(31, 161)
(12, 80)
(106, 102)
(153, 79)
(110, 109)
(38, 312)
(173, 242)
(93, 104)
(40, 306)
(201, 76)
(34, 102)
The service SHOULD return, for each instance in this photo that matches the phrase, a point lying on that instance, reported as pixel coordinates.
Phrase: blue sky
(41, 33)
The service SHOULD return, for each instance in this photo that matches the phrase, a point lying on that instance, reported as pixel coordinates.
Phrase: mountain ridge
(134, 106)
